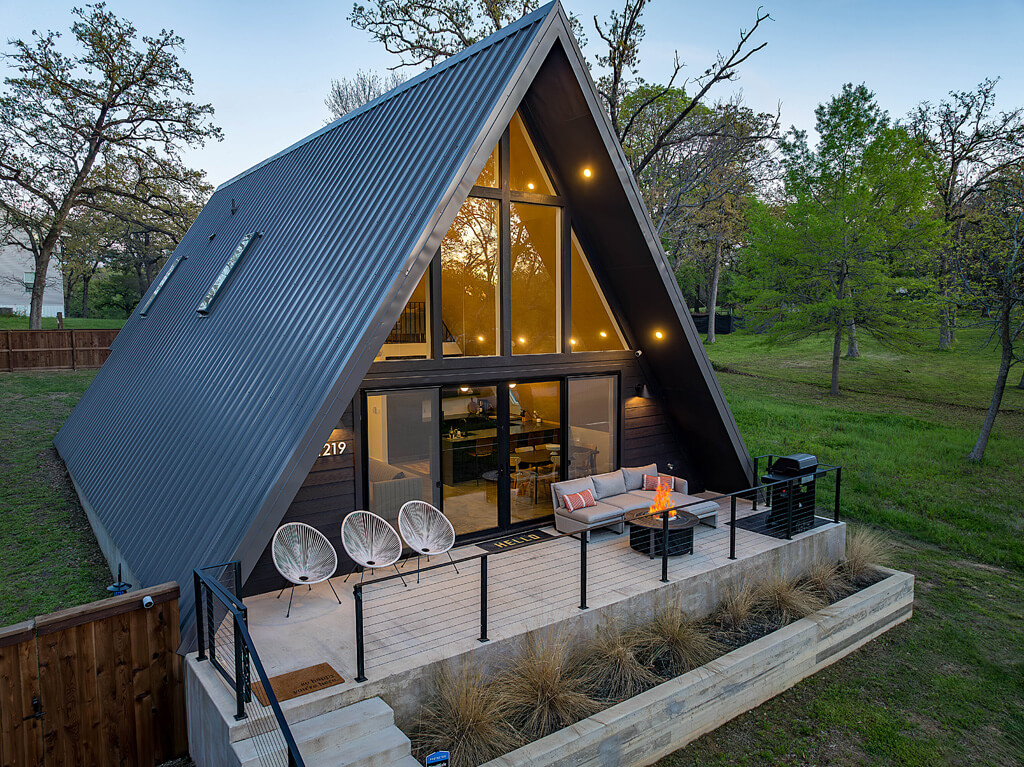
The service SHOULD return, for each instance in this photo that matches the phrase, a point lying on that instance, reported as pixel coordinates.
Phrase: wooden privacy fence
(54, 349)
(99, 684)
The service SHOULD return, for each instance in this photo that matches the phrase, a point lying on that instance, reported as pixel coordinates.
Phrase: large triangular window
(593, 326)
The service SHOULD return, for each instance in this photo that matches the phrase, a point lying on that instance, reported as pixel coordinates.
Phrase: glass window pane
(469, 281)
(535, 279)
(469, 457)
(593, 327)
(410, 337)
(489, 175)
(401, 450)
(535, 427)
(526, 171)
(593, 425)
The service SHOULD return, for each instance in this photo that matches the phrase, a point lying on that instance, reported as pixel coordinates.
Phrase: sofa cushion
(378, 471)
(571, 486)
(577, 501)
(654, 481)
(599, 512)
(608, 484)
(627, 502)
(634, 477)
(700, 507)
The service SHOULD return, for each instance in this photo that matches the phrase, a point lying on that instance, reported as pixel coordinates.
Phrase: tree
(850, 238)
(972, 144)
(993, 277)
(348, 94)
(63, 114)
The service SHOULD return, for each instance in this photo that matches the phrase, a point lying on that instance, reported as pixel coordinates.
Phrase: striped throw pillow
(579, 500)
(652, 483)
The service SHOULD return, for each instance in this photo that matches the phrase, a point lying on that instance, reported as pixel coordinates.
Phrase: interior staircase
(362, 734)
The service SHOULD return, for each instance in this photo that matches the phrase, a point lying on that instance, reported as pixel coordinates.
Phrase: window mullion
(505, 251)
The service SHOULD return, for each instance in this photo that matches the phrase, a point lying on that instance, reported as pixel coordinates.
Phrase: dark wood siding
(326, 496)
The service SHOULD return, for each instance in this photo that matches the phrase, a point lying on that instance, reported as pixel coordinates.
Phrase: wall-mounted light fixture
(642, 391)
(464, 389)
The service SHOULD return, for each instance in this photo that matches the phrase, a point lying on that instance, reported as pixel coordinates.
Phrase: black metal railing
(785, 524)
(222, 626)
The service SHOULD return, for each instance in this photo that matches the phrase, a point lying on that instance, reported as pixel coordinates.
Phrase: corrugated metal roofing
(191, 431)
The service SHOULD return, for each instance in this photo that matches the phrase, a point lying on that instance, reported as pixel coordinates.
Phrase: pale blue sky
(266, 66)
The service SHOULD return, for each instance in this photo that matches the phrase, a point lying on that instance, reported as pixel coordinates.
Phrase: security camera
(639, 353)
(147, 602)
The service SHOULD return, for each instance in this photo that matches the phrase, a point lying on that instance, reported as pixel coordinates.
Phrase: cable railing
(222, 626)
(784, 505)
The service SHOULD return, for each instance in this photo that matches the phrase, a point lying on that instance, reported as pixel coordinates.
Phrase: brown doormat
(301, 682)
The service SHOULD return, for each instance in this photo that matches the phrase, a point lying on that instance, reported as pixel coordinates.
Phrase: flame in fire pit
(662, 501)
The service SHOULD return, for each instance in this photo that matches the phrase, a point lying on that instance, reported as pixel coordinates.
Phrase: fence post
(483, 599)
(10, 353)
(74, 365)
(732, 527)
(211, 646)
(839, 479)
(790, 507)
(239, 674)
(757, 482)
(583, 569)
(360, 659)
(198, 585)
(664, 546)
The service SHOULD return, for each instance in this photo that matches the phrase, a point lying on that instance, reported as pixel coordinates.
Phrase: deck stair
(362, 734)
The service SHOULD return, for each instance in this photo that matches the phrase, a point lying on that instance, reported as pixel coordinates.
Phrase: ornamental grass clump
(610, 660)
(672, 644)
(737, 605)
(828, 580)
(543, 689)
(866, 550)
(466, 717)
(782, 600)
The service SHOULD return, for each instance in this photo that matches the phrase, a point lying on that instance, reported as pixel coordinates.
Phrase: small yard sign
(437, 759)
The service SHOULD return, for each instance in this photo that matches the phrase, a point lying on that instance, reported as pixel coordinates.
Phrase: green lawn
(945, 688)
(70, 323)
(948, 686)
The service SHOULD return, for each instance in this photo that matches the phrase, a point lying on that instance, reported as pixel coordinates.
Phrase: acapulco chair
(427, 531)
(303, 555)
(371, 542)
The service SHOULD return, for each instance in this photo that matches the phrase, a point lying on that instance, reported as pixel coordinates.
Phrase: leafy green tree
(62, 116)
(851, 240)
(992, 278)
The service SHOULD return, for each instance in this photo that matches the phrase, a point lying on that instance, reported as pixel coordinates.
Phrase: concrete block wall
(645, 728)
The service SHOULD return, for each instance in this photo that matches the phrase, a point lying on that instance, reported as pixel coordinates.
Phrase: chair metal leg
(418, 567)
(290, 595)
(282, 591)
(400, 576)
(335, 592)
(453, 563)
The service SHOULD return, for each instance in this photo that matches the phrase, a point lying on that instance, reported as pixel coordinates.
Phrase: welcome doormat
(301, 682)
(758, 523)
(512, 541)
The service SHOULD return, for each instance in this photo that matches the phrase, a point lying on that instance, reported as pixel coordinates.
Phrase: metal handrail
(239, 614)
(821, 470)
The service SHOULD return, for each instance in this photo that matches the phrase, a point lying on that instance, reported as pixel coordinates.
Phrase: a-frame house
(403, 305)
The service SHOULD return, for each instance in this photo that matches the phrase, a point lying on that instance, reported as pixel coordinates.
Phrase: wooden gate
(99, 684)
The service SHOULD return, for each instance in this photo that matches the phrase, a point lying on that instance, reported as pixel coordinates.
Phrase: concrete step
(341, 726)
(407, 761)
(385, 748)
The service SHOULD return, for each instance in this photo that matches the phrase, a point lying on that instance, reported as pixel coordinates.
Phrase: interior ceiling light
(512, 385)
(530, 185)
(603, 334)
(572, 341)
(463, 389)
(658, 334)
(522, 340)
(479, 338)
(587, 173)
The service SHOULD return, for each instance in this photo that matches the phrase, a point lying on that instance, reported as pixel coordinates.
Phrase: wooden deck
(529, 587)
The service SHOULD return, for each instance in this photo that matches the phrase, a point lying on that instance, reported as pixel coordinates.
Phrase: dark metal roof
(198, 429)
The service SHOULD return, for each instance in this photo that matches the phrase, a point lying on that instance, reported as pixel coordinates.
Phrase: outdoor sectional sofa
(616, 493)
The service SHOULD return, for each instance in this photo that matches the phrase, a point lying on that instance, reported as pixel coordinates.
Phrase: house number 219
(333, 448)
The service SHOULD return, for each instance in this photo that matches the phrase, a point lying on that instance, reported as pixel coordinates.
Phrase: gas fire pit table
(645, 532)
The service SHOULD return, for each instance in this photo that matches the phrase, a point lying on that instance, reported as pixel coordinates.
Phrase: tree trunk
(713, 292)
(85, 296)
(852, 350)
(978, 452)
(837, 346)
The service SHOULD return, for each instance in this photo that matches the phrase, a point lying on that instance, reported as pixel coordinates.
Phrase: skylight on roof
(211, 294)
(160, 285)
